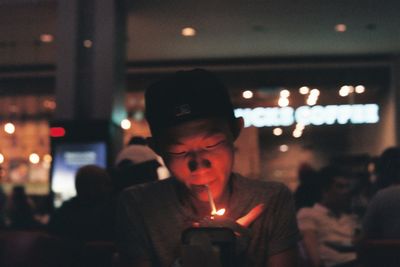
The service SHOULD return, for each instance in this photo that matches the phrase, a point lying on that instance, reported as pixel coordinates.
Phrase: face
(338, 195)
(200, 153)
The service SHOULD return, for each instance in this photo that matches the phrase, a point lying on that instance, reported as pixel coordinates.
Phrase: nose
(197, 161)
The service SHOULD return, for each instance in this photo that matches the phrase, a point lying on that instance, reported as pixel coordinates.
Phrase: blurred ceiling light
(344, 90)
(47, 158)
(277, 131)
(314, 92)
(284, 93)
(247, 94)
(87, 43)
(311, 101)
(351, 89)
(283, 148)
(340, 27)
(297, 134)
(283, 102)
(34, 158)
(299, 127)
(1, 158)
(9, 128)
(304, 90)
(126, 124)
(188, 32)
(360, 89)
(46, 38)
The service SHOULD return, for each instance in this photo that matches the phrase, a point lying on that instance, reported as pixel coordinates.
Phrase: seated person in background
(382, 219)
(327, 227)
(193, 128)
(90, 215)
(308, 192)
(20, 210)
(136, 164)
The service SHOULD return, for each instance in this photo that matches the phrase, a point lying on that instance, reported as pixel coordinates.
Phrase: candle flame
(219, 212)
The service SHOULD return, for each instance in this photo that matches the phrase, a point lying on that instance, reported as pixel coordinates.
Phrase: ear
(237, 126)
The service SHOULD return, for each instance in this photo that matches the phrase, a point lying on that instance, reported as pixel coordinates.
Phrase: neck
(201, 206)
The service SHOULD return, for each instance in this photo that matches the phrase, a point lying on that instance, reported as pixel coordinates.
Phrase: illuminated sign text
(306, 115)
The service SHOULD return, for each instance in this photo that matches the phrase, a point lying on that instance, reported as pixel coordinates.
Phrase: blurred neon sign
(309, 115)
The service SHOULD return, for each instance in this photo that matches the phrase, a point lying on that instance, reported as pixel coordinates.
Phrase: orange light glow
(340, 27)
(220, 212)
(188, 32)
(46, 38)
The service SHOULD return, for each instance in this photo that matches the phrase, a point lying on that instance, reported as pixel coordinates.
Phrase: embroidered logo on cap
(182, 110)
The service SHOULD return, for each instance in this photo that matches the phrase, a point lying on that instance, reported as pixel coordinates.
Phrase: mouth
(201, 178)
(200, 184)
(198, 188)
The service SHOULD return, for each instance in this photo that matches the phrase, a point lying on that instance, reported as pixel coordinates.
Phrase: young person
(328, 228)
(193, 129)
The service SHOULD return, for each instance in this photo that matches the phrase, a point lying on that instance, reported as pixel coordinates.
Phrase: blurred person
(328, 229)
(361, 194)
(387, 168)
(309, 190)
(193, 128)
(90, 215)
(3, 201)
(20, 210)
(135, 164)
(382, 219)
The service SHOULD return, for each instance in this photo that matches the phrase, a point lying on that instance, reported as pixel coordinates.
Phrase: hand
(239, 227)
(244, 221)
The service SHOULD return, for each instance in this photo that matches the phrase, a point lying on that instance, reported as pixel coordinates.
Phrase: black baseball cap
(186, 96)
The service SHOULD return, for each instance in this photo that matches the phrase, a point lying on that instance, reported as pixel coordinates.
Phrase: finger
(246, 220)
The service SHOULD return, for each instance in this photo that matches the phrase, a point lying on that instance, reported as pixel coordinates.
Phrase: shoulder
(276, 196)
(308, 218)
(388, 193)
(317, 212)
(388, 197)
(146, 191)
(68, 205)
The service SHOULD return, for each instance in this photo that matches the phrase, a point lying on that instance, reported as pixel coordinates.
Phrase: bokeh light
(9, 128)
(34, 158)
(126, 124)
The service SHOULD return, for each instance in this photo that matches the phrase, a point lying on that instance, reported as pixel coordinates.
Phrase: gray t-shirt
(152, 217)
(382, 219)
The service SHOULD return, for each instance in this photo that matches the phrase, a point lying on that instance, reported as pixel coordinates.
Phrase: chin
(200, 195)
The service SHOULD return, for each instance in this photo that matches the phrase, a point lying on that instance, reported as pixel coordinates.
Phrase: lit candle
(211, 200)
(220, 212)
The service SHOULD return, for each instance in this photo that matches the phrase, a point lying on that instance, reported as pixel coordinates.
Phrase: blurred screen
(67, 159)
